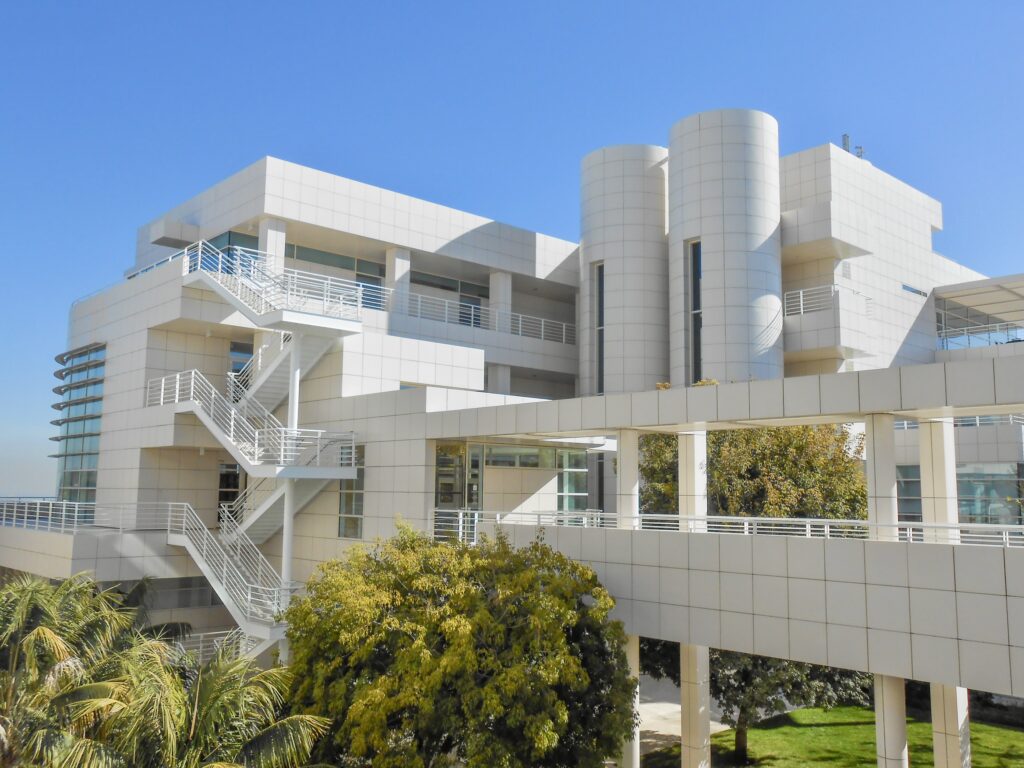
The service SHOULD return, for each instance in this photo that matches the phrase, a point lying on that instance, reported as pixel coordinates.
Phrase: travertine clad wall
(623, 226)
(724, 191)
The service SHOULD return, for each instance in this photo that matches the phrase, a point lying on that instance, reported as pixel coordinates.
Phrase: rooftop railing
(56, 516)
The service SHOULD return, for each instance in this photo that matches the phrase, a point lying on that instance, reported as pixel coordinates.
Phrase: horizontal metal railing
(239, 382)
(257, 596)
(205, 645)
(246, 554)
(818, 299)
(55, 516)
(976, 336)
(806, 300)
(465, 525)
(251, 428)
(969, 421)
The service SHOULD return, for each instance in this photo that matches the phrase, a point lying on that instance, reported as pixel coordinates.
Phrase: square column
(951, 727)
(397, 276)
(631, 749)
(880, 452)
(695, 698)
(273, 233)
(891, 722)
(500, 301)
(937, 452)
(693, 475)
(499, 379)
(627, 480)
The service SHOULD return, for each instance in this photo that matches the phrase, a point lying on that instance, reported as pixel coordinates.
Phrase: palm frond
(284, 744)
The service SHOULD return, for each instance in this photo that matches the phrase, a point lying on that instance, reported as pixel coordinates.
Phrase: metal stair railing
(245, 503)
(246, 554)
(243, 379)
(241, 271)
(251, 428)
(205, 645)
(259, 601)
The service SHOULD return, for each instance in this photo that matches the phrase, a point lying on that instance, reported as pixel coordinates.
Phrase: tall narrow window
(695, 312)
(350, 504)
(599, 312)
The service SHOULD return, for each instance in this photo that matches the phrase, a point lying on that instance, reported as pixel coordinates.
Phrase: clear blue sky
(114, 112)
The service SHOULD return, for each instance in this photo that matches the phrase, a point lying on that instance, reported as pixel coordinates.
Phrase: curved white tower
(623, 316)
(725, 216)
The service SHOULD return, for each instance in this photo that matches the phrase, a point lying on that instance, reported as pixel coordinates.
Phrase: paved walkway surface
(660, 724)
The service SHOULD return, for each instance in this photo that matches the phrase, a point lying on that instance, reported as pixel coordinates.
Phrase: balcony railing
(976, 336)
(55, 516)
(818, 299)
(313, 292)
(466, 525)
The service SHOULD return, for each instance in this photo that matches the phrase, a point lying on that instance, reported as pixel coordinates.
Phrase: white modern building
(296, 361)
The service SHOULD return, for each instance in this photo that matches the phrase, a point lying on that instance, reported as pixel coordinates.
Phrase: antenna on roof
(846, 142)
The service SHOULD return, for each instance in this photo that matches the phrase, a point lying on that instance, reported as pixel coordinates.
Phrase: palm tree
(51, 635)
(84, 688)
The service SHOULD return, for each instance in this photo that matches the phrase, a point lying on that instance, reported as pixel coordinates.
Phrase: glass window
(239, 354)
(696, 317)
(522, 456)
(434, 281)
(572, 480)
(302, 253)
(350, 500)
(369, 268)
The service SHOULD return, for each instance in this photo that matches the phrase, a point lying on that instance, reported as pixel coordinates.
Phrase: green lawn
(845, 737)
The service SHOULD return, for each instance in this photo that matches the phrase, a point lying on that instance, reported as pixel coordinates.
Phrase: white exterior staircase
(292, 300)
(265, 377)
(259, 509)
(253, 435)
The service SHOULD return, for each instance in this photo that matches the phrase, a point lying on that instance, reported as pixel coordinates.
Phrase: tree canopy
(83, 687)
(427, 654)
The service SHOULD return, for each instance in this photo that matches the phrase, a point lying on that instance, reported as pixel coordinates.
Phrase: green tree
(427, 654)
(83, 687)
(810, 472)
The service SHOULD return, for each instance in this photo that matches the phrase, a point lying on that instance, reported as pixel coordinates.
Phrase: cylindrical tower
(725, 260)
(623, 301)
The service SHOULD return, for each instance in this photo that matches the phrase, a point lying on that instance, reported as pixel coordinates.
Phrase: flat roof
(1000, 297)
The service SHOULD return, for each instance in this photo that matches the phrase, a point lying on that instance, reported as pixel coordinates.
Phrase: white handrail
(972, 336)
(247, 555)
(56, 516)
(243, 379)
(256, 599)
(205, 645)
(251, 428)
(463, 524)
(245, 503)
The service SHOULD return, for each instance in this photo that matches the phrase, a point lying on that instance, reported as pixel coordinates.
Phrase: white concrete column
(695, 698)
(397, 275)
(631, 749)
(880, 452)
(499, 379)
(951, 727)
(627, 479)
(693, 474)
(500, 301)
(937, 452)
(891, 722)
(294, 381)
(271, 242)
(287, 551)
